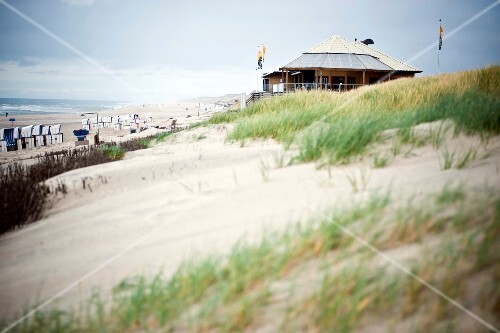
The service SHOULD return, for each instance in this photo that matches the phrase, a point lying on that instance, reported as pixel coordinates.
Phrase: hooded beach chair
(18, 138)
(55, 132)
(46, 135)
(26, 131)
(36, 132)
(55, 129)
(86, 124)
(3, 143)
(17, 133)
(27, 140)
(8, 137)
(46, 130)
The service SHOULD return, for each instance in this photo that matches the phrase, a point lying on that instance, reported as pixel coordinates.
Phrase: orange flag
(440, 36)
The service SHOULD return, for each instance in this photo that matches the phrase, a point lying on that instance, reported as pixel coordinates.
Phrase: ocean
(19, 106)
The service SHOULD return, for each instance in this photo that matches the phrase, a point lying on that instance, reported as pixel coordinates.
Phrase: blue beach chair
(8, 135)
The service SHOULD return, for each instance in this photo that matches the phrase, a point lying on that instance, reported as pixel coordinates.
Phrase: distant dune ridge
(259, 220)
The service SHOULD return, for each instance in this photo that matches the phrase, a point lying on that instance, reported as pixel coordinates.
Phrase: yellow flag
(440, 36)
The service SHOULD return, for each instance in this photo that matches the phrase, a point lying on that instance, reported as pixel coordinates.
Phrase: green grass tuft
(113, 152)
(338, 127)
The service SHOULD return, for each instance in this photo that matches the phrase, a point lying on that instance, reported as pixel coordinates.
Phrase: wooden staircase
(255, 96)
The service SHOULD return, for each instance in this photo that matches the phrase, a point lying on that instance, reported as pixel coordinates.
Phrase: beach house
(337, 64)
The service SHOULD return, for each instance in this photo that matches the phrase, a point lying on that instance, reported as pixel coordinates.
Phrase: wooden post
(364, 77)
(286, 82)
(321, 78)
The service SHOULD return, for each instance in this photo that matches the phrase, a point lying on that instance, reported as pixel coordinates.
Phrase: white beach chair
(3, 143)
(55, 129)
(29, 142)
(46, 130)
(39, 141)
(17, 133)
(26, 131)
(56, 135)
(36, 130)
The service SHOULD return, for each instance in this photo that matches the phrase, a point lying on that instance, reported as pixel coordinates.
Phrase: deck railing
(306, 86)
(277, 89)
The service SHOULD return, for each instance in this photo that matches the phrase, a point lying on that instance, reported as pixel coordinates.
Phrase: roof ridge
(341, 39)
(323, 42)
(332, 44)
(388, 56)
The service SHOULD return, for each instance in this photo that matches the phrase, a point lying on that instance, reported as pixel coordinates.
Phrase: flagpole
(438, 62)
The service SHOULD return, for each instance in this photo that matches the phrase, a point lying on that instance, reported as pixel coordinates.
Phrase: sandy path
(191, 196)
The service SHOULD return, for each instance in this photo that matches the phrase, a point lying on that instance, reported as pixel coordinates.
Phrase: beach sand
(197, 194)
(161, 114)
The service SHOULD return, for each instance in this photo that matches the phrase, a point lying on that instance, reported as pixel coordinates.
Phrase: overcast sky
(162, 50)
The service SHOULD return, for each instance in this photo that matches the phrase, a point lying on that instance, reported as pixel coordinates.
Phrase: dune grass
(338, 127)
(352, 287)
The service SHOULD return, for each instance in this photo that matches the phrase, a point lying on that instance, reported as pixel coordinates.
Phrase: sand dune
(192, 195)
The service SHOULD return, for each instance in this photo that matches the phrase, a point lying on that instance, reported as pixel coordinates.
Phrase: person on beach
(6, 114)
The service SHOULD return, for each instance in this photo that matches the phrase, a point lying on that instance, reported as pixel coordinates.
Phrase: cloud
(55, 78)
(28, 62)
(46, 72)
(79, 2)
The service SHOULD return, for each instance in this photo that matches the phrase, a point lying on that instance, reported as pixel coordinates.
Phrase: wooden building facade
(339, 65)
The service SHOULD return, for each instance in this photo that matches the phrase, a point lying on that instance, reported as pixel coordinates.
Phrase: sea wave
(14, 106)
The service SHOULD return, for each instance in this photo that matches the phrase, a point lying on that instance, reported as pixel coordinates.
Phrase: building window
(337, 83)
(265, 85)
(351, 82)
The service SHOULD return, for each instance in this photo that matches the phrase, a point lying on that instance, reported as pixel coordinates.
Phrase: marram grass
(233, 293)
(338, 127)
